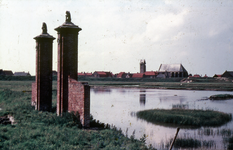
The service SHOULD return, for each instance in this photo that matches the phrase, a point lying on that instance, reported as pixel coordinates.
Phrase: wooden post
(177, 131)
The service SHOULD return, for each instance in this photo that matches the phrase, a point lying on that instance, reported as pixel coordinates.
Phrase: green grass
(158, 83)
(45, 130)
(185, 117)
(17, 78)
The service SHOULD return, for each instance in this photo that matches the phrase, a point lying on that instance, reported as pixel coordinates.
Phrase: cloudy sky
(117, 34)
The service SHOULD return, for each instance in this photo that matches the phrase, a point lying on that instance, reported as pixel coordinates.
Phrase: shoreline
(163, 87)
(195, 86)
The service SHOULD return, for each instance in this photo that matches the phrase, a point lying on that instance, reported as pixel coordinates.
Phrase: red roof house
(217, 75)
(138, 75)
(121, 75)
(151, 74)
(85, 74)
(196, 76)
(81, 74)
(88, 74)
(100, 74)
(205, 76)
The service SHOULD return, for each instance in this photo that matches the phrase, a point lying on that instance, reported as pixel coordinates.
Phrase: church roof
(172, 68)
(22, 74)
(227, 74)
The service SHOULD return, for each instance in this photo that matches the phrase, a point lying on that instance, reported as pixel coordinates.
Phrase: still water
(116, 106)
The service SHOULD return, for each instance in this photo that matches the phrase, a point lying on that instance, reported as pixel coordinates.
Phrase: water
(116, 106)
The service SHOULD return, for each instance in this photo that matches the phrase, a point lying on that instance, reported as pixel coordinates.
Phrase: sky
(116, 35)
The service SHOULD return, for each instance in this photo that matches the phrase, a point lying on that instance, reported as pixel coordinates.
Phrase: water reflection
(101, 90)
(142, 99)
(115, 106)
(171, 99)
(180, 106)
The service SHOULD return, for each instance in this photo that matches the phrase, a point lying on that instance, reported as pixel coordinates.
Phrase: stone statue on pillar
(68, 17)
(44, 28)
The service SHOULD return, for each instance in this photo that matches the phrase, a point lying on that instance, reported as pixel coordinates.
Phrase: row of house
(147, 74)
(10, 73)
(99, 74)
(165, 71)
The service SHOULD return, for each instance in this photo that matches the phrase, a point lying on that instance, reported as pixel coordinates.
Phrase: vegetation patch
(230, 145)
(185, 117)
(45, 130)
(187, 143)
(191, 143)
(221, 97)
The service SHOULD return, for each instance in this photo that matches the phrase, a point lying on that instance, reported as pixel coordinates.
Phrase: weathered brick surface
(34, 92)
(44, 76)
(67, 62)
(79, 100)
(42, 88)
(72, 96)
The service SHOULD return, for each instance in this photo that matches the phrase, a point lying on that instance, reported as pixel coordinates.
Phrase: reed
(187, 143)
(192, 143)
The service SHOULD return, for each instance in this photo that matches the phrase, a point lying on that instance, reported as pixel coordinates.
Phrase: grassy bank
(167, 85)
(156, 83)
(185, 117)
(46, 130)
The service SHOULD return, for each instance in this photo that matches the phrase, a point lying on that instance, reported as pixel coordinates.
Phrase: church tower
(142, 66)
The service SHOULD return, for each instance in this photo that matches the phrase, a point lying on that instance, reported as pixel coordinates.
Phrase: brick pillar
(42, 88)
(67, 60)
(79, 100)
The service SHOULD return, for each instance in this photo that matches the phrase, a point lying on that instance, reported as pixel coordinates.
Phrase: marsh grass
(230, 145)
(45, 130)
(187, 143)
(221, 97)
(157, 83)
(185, 117)
(191, 143)
(17, 78)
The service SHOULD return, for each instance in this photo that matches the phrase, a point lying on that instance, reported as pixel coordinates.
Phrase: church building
(172, 70)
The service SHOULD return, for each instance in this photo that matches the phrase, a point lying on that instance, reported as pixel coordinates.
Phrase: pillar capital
(68, 25)
(44, 34)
